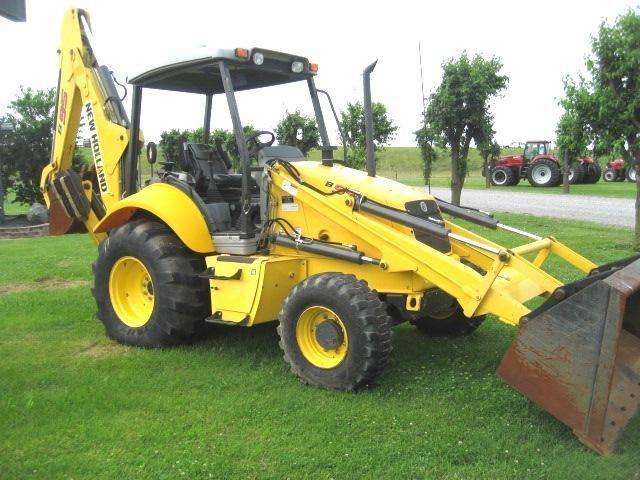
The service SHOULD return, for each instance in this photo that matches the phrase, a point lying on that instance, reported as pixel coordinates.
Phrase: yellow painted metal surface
(79, 88)
(131, 291)
(306, 328)
(169, 204)
(255, 294)
(481, 280)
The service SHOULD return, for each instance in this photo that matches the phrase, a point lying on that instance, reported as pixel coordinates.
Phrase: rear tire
(502, 177)
(544, 173)
(631, 174)
(594, 173)
(454, 324)
(147, 288)
(610, 175)
(335, 332)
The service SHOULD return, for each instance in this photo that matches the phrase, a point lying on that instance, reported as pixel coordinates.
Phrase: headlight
(258, 58)
(296, 67)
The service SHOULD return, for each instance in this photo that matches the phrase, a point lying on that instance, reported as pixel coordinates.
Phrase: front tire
(335, 332)
(147, 288)
(544, 173)
(632, 172)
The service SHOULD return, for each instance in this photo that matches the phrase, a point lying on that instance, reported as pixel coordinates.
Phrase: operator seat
(211, 169)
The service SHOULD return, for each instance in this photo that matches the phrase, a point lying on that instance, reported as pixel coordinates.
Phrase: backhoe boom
(84, 85)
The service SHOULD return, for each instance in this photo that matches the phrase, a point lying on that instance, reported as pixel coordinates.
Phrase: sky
(539, 43)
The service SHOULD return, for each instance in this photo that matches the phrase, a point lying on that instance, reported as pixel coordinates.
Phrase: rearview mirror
(152, 153)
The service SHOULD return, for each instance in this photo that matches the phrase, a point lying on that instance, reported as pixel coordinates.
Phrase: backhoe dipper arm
(82, 83)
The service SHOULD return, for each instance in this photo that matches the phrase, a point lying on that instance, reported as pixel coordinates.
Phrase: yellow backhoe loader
(336, 255)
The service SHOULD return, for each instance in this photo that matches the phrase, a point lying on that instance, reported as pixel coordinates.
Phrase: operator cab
(233, 202)
(533, 148)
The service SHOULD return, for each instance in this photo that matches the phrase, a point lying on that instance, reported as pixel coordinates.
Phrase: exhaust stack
(368, 120)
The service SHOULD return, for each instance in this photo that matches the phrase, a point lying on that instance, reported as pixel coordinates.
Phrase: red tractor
(616, 171)
(541, 168)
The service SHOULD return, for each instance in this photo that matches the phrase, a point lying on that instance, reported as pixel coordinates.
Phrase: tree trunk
(457, 182)
(487, 179)
(636, 240)
(2, 194)
(635, 152)
(565, 173)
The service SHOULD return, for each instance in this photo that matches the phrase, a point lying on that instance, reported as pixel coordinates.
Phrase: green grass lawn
(76, 405)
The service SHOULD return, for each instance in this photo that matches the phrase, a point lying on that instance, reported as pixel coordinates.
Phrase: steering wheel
(255, 138)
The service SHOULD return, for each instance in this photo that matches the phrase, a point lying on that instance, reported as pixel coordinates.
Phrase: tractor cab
(533, 148)
(231, 201)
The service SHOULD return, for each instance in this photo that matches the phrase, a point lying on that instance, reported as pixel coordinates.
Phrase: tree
(458, 112)
(352, 119)
(27, 148)
(428, 153)
(605, 106)
(299, 131)
(171, 142)
(572, 135)
(572, 140)
(228, 140)
(5, 127)
(489, 151)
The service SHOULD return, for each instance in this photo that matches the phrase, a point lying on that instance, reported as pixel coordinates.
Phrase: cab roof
(200, 73)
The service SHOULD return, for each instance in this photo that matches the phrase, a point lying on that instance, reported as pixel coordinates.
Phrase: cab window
(533, 149)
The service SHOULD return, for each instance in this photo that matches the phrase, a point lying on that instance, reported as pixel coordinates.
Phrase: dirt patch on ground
(67, 262)
(101, 350)
(46, 284)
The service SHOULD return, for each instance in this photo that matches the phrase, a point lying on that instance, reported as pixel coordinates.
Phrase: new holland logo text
(95, 149)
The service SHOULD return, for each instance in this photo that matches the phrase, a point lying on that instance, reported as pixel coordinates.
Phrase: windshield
(535, 148)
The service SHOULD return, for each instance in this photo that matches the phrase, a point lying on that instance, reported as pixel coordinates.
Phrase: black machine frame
(224, 68)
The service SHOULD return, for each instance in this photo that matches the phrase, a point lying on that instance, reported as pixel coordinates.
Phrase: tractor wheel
(335, 332)
(610, 175)
(448, 321)
(631, 174)
(594, 173)
(502, 176)
(147, 286)
(544, 173)
(577, 173)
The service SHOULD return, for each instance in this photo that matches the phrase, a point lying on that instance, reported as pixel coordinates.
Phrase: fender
(171, 205)
(545, 156)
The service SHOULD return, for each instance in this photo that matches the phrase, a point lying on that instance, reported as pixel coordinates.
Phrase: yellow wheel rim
(322, 337)
(131, 291)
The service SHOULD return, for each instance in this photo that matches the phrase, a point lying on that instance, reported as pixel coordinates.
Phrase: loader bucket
(578, 355)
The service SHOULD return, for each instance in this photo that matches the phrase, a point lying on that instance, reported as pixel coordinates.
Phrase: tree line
(297, 130)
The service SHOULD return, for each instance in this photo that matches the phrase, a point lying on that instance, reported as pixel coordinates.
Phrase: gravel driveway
(607, 211)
